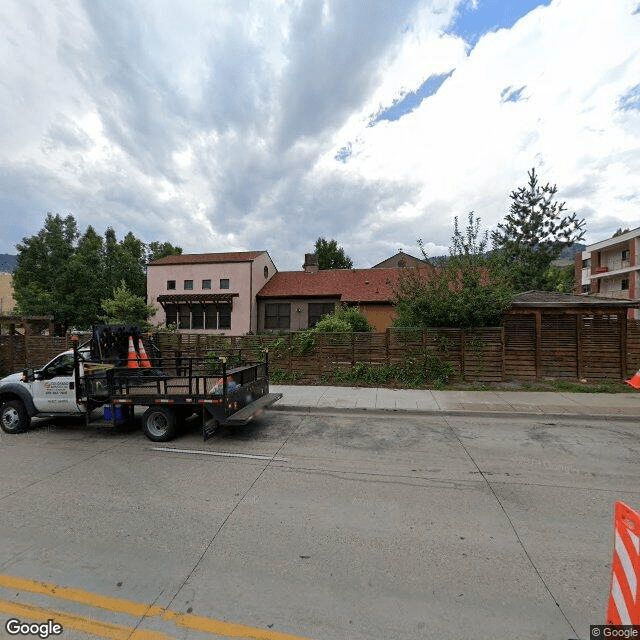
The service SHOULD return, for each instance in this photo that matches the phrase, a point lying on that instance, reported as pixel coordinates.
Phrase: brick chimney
(311, 263)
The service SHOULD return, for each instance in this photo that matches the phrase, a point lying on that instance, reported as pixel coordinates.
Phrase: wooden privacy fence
(527, 347)
(19, 352)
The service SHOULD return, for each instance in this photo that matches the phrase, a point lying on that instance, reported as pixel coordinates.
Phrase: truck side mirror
(28, 375)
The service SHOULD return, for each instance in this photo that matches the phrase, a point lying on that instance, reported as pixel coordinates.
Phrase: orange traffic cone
(144, 359)
(132, 358)
(634, 381)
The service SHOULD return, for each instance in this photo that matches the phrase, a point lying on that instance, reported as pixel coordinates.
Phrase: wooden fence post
(579, 354)
(538, 342)
(353, 349)
(386, 345)
(463, 356)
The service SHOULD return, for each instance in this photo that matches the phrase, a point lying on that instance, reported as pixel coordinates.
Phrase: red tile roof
(349, 285)
(205, 258)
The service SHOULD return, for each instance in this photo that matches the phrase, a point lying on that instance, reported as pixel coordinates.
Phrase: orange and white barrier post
(624, 593)
(144, 359)
(132, 357)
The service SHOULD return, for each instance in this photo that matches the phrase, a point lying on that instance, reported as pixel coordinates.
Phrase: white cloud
(215, 125)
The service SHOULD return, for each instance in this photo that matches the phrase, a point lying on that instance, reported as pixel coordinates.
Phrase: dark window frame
(188, 285)
(224, 283)
(277, 315)
(319, 310)
(171, 285)
(206, 283)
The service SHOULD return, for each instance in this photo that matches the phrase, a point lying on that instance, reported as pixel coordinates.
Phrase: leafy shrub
(425, 369)
(332, 324)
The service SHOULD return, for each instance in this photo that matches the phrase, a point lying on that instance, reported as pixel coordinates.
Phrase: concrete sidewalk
(489, 403)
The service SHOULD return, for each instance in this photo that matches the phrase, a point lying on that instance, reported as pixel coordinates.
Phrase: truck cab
(47, 391)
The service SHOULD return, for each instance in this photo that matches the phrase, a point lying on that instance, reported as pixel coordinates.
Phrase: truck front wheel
(159, 424)
(14, 417)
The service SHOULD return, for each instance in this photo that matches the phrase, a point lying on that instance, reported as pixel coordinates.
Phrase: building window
(206, 284)
(171, 285)
(188, 285)
(625, 284)
(171, 312)
(210, 316)
(266, 272)
(625, 254)
(197, 316)
(586, 288)
(319, 309)
(224, 283)
(586, 264)
(224, 316)
(184, 316)
(277, 315)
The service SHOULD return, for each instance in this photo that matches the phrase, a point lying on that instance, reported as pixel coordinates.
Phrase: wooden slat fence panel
(600, 345)
(558, 346)
(520, 347)
(445, 344)
(633, 346)
(483, 357)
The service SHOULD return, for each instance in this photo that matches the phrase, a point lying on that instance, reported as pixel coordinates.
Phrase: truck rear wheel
(14, 417)
(159, 424)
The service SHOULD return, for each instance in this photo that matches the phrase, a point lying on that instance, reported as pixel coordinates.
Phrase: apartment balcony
(614, 268)
(619, 294)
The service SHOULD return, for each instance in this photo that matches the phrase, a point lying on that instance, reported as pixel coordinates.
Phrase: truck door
(54, 389)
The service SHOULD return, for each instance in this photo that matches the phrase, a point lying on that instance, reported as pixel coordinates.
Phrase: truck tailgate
(247, 413)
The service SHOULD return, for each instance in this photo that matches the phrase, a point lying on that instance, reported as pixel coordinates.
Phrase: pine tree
(535, 232)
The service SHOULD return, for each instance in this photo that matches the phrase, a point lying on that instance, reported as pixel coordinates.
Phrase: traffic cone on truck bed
(144, 359)
(132, 357)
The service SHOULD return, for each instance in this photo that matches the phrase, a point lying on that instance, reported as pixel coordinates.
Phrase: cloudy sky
(220, 125)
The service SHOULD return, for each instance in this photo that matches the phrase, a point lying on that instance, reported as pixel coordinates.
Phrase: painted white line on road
(219, 453)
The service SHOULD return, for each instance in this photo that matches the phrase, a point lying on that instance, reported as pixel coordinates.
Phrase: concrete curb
(507, 413)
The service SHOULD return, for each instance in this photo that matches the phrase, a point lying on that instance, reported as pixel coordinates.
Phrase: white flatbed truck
(221, 390)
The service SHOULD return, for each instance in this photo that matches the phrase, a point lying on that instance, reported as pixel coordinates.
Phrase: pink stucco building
(209, 292)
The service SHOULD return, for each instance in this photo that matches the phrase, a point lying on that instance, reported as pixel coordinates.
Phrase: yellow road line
(228, 629)
(78, 623)
(118, 605)
(138, 609)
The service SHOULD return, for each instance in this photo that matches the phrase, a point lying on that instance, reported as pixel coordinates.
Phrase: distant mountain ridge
(8, 262)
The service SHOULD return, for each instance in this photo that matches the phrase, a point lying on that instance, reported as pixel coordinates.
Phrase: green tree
(61, 274)
(85, 271)
(472, 289)
(125, 307)
(560, 279)
(42, 282)
(157, 250)
(534, 233)
(125, 261)
(331, 256)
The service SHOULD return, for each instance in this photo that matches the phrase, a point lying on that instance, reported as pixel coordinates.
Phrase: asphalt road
(324, 527)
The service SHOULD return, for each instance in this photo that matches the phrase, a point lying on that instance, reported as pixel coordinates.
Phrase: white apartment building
(610, 269)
